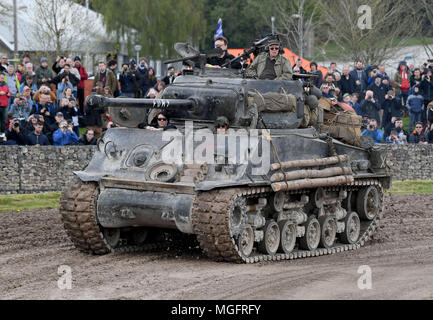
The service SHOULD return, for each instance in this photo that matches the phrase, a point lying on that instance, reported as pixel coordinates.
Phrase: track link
(78, 212)
(210, 219)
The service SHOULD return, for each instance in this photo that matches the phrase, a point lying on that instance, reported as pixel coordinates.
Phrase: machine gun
(251, 50)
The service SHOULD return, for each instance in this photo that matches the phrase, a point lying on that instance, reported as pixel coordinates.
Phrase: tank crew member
(270, 65)
(221, 125)
(162, 123)
(217, 62)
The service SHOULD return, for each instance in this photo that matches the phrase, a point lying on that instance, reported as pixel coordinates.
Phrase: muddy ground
(33, 245)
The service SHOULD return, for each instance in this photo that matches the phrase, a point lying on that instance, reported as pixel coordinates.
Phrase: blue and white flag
(219, 29)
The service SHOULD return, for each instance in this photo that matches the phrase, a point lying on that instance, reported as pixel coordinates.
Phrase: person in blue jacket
(373, 131)
(65, 135)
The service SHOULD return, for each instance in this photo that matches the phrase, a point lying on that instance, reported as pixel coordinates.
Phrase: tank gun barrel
(98, 101)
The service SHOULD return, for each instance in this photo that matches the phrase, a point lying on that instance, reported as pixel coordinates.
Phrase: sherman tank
(274, 186)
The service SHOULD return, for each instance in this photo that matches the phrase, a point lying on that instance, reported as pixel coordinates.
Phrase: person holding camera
(59, 64)
(391, 109)
(373, 131)
(45, 108)
(65, 135)
(66, 79)
(16, 132)
(370, 107)
(395, 138)
(171, 75)
(37, 138)
(20, 108)
(127, 80)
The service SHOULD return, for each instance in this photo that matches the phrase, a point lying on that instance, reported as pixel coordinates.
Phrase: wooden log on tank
(311, 174)
(311, 163)
(311, 183)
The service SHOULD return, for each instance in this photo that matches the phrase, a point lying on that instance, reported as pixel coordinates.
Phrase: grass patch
(27, 202)
(412, 186)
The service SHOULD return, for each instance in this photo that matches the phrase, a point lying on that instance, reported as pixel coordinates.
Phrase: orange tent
(289, 55)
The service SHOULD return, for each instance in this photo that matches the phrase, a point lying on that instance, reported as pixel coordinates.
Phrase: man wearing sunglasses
(270, 65)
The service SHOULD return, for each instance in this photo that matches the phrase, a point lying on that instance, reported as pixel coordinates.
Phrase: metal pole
(15, 29)
(138, 56)
(301, 33)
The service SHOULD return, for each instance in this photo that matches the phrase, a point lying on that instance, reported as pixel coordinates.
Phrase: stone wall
(42, 169)
(411, 162)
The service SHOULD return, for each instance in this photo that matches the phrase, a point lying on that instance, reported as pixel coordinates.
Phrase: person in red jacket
(80, 87)
(4, 102)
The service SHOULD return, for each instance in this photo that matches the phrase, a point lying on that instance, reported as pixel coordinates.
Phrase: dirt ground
(33, 245)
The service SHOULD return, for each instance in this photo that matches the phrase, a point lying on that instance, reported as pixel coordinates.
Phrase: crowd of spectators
(45, 104)
(382, 102)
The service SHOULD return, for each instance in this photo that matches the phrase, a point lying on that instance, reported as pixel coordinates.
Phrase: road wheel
(328, 232)
(311, 239)
(246, 241)
(288, 236)
(112, 236)
(368, 203)
(271, 239)
(352, 228)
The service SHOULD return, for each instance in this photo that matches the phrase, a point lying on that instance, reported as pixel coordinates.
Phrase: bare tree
(426, 11)
(296, 22)
(371, 39)
(63, 26)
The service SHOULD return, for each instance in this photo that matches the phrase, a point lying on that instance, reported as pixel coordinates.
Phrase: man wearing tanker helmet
(270, 65)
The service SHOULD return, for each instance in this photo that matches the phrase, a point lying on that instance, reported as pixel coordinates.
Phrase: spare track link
(211, 225)
(78, 212)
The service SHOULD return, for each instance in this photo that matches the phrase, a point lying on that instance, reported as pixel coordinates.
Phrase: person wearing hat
(270, 65)
(44, 75)
(221, 125)
(415, 105)
(80, 87)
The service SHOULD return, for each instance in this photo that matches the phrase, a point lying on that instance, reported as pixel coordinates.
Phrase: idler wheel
(328, 233)
(368, 203)
(271, 239)
(288, 236)
(311, 239)
(352, 229)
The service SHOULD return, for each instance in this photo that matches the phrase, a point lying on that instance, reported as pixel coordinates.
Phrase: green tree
(244, 21)
(155, 25)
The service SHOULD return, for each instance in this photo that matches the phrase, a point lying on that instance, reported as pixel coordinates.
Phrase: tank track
(78, 212)
(211, 224)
